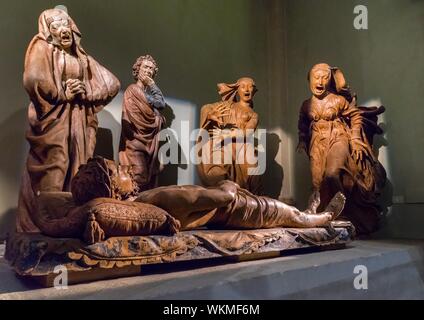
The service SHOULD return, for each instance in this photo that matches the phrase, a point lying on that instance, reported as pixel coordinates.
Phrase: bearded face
(122, 182)
(102, 178)
(91, 182)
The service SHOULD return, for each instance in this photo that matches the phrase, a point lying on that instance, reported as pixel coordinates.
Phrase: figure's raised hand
(216, 119)
(219, 113)
(147, 81)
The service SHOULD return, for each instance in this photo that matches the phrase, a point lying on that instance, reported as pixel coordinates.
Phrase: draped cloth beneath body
(62, 133)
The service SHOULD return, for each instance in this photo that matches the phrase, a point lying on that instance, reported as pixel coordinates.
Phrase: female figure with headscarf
(67, 88)
(228, 152)
(337, 135)
(141, 124)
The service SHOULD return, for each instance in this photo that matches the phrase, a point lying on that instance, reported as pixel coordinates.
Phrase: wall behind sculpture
(197, 43)
(382, 64)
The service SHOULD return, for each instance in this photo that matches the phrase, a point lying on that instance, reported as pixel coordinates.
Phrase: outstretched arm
(358, 141)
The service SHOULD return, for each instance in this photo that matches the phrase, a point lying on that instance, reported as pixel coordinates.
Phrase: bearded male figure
(141, 124)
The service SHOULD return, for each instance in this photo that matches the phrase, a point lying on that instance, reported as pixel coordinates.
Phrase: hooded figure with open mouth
(67, 88)
(337, 135)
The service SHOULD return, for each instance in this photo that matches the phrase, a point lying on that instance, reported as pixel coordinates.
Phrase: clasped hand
(73, 88)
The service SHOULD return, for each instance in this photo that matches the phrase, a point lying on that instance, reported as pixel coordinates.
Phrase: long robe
(62, 133)
(328, 130)
(242, 118)
(139, 144)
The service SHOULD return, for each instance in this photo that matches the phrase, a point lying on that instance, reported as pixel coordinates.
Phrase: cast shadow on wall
(108, 136)
(107, 142)
(274, 174)
(169, 174)
(14, 147)
(386, 199)
(104, 144)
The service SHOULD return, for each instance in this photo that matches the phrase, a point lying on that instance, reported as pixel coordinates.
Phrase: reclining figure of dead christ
(104, 203)
(107, 227)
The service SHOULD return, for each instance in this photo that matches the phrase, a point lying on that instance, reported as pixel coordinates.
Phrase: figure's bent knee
(229, 195)
(332, 174)
(215, 174)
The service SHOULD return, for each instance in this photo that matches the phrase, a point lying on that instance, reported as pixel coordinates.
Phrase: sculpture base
(38, 257)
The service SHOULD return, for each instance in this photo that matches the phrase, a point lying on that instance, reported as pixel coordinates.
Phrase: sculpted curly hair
(99, 179)
(139, 61)
(91, 181)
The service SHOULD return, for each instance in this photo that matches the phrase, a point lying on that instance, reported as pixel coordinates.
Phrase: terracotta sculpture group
(103, 204)
(67, 192)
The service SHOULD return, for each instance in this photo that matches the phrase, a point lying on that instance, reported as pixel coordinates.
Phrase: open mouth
(247, 94)
(319, 89)
(66, 37)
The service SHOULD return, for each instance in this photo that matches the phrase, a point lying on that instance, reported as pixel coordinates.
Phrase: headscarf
(228, 92)
(101, 84)
(50, 15)
(338, 84)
